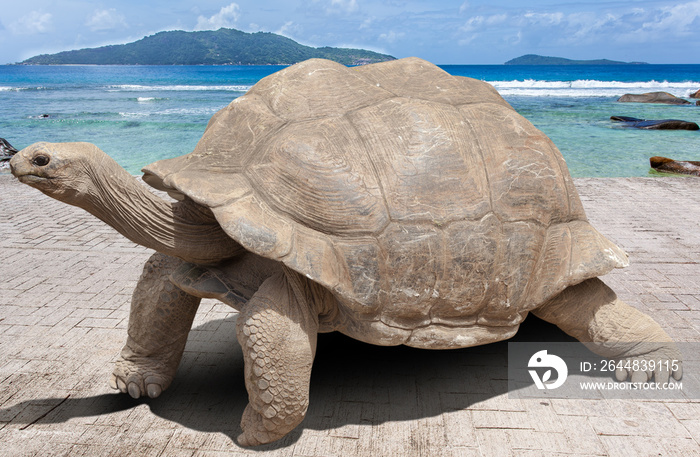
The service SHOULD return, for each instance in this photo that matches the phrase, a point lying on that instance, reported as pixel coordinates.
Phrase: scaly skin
(592, 313)
(276, 329)
(277, 332)
(160, 320)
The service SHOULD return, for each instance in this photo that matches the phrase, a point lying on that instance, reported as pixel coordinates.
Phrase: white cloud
(535, 29)
(347, 5)
(591, 27)
(33, 23)
(483, 22)
(614, 26)
(392, 36)
(515, 39)
(676, 19)
(464, 7)
(367, 23)
(544, 18)
(290, 29)
(106, 20)
(226, 17)
(341, 7)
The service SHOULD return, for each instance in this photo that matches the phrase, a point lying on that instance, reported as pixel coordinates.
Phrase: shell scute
(524, 175)
(417, 79)
(420, 154)
(232, 139)
(228, 148)
(410, 272)
(315, 256)
(260, 229)
(465, 286)
(316, 88)
(362, 260)
(519, 250)
(309, 176)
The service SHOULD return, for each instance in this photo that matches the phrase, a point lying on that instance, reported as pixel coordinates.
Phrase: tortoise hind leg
(277, 331)
(592, 313)
(160, 319)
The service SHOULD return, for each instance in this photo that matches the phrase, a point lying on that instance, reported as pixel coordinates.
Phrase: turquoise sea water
(139, 114)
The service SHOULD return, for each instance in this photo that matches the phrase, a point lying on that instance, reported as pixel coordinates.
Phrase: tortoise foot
(660, 362)
(144, 375)
(638, 346)
(259, 429)
(160, 319)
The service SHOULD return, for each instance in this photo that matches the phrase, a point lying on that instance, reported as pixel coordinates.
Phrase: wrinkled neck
(183, 229)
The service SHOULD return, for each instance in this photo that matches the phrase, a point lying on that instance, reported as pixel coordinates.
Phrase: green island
(220, 47)
(534, 59)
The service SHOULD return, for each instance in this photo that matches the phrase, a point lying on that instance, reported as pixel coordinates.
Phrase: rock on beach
(653, 97)
(675, 166)
(662, 124)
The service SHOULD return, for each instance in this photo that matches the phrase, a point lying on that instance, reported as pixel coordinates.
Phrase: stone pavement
(64, 302)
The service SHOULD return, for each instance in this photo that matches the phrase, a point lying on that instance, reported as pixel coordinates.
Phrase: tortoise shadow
(352, 383)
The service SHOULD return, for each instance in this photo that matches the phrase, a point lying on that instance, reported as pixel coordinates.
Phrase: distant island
(220, 47)
(533, 59)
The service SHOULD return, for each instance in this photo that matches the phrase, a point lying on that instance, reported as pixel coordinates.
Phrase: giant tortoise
(391, 202)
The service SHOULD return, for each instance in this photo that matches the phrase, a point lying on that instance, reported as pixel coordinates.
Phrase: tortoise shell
(421, 200)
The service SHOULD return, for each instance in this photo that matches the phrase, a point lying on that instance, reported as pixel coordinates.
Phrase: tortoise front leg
(277, 331)
(592, 313)
(160, 319)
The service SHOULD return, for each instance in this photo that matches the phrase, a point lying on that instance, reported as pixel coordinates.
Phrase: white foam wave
(177, 87)
(19, 89)
(187, 111)
(170, 112)
(591, 88)
(133, 115)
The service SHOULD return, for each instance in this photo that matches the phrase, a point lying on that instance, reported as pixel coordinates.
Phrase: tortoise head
(64, 171)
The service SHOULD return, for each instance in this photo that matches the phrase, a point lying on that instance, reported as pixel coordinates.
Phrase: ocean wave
(177, 87)
(21, 89)
(170, 112)
(133, 115)
(189, 111)
(591, 88)
(149, 99)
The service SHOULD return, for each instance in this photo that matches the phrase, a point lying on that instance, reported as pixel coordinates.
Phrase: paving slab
(66, 284)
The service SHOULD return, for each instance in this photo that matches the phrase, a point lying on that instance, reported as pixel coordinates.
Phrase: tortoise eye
(41, 160)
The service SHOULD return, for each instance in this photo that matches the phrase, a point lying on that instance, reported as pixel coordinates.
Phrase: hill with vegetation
(533, 59)
(220, 47)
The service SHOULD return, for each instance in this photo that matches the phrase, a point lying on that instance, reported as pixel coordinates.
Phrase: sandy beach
(64, 307)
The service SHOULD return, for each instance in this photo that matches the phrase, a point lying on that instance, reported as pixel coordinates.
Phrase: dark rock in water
(43, 116)
(663, 124)
(653, 97)
(6, 150)
(695, 94)
(675, 166)
(625, 119)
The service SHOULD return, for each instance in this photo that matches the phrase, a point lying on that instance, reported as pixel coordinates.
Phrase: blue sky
(442, 31)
